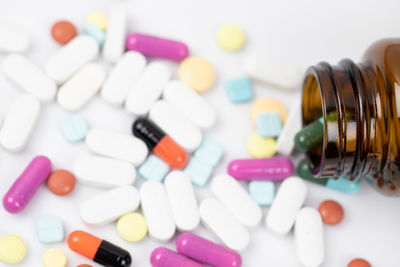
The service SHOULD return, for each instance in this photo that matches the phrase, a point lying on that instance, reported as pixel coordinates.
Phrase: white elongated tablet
(29, 77)
(176, 125)
(182, 200)
(19, 122)
(223, 224)
(309, 237)
(288, 201)
(274, 72)
(77, 91)
(114, 44)
(148, 88)
(13, 39)
(189, 103)
(103, 172)
(110, 205)
(123, 77)
(71, 57)
(157, 211)
(236, 200)
(117, 145)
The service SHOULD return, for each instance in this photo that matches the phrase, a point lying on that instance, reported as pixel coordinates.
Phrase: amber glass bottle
(361, 117)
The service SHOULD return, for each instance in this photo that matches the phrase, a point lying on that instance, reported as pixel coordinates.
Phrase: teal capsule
(311, 136)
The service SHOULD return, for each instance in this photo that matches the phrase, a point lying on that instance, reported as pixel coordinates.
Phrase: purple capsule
(163, 257)
(273, 169)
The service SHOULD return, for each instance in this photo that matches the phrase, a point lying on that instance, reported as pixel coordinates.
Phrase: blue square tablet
(50, 230)
(343, 185)
(269, 124)
(262, 192)
(239, 90)
(74, 128)
(209, 152)
(198, 171)
(153, 169)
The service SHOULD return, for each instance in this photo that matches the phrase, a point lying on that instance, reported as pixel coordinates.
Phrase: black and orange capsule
(98, 250)
(160, 143)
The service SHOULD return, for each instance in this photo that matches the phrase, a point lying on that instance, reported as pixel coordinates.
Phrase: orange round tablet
(61, 182)
(63, 31)
(359, 263)
(331, 212)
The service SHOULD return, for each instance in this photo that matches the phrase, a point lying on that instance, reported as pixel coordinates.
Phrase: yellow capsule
(230, 37)
(132, 227)
(12, 249)
(260, 147)
(98, 19)
(266, 105)
(54, 257)
(197, 73)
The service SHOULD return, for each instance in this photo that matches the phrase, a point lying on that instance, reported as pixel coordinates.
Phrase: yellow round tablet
(98, 19)
(197, 73)
(12, 249)
(54, 257)
(260, 147)
(132, 227)
(230, 37)
(265, 105)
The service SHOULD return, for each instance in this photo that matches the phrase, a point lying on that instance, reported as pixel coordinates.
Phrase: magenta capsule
(207, 252)
(163, 257)
(26, 186)
(273, 169)
(152, 46)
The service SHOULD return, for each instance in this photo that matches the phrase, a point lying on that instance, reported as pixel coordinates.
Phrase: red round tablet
(331, 212)
(63, 31)
(61, 182)
(84, 265)
(359, 263)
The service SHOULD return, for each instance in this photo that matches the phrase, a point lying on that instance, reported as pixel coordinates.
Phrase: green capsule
(311, 136)
(304, 172)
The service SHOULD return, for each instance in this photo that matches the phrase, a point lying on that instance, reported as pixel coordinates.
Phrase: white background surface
(303, 32)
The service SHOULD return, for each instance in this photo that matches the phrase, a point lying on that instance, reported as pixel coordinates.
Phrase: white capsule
(188, 102)
(103, 172)
(19, 122)
(71, 57)
(114, 44)
(219, 220)
(148, 88)
(182, 200)
(288, 201)
(117, 145)
(176, 125)
(13, 39)
(157, 211)
(236, 200)
(123, 77)
(309, 237)
(77, 91)
(29, 77)
(110, 205)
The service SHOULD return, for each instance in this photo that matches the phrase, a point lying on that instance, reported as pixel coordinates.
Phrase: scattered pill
(13, 39)
(95, 33)
(84, 265)
(359, 263)
(230, 37)
(98, 250)
(63, 31)
(98, 19)
(311, 136)
(114, 44)
(197, 73)
(74, 128)
(198, 171)
(12, 249)
(153, 169)
(54, 257)
(61, 182)
(285, 142)
(331, 212)
(50, 230)
(262, 192)
(239, 90)
(265, 105)
(209, 152)
(259, 147)
(152, 46)
(269, 124)
(132, 227)
(163, 257)
(26, 186)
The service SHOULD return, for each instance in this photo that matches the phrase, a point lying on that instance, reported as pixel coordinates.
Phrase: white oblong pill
(221, 222)
(71, 57)
(237, 200)
(182, 200)
(114, 44)
(176, 125)
(103, 172)
(148, 88)
(19, 122)
(110, 205)
(288, 201)
(13, 39)
(29, 77)
(77, 91)
(309, 237)
(271, 71)
(189, 103)
(123, 77)
(156, 210)
(117, 145)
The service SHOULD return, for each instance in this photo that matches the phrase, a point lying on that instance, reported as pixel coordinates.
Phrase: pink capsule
(163, 257)
(152, 46)
(273, 169)
(207, 252)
